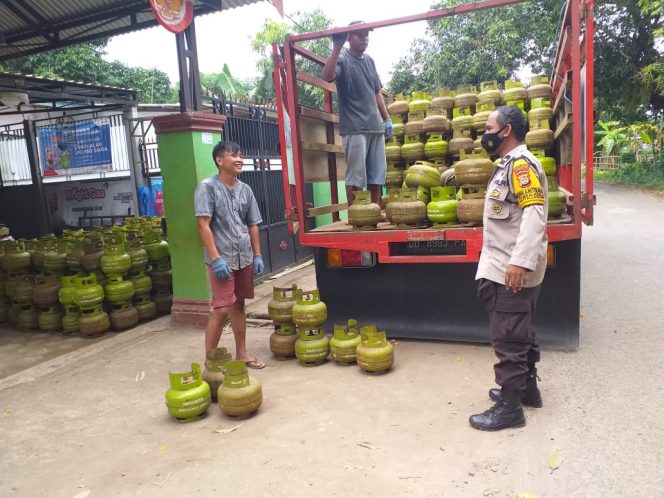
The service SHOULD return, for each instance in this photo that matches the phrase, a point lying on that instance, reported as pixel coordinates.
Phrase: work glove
(339, 39)
(221, 269)
(258, 264)
(389, 129)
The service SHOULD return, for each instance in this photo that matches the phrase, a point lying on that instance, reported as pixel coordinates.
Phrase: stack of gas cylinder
(83, 282)
(293, 309)
(280, 311)
(437, 143)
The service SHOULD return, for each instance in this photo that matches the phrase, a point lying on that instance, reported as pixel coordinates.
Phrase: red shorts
(239, 286)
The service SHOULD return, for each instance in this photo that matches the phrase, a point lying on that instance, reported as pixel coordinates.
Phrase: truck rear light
(550, 256)
(345, 258)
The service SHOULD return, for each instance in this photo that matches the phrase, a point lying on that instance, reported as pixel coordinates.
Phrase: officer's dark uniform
(515, 216)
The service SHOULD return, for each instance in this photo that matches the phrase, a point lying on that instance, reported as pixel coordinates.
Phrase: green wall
(185, 160)
(323, 197)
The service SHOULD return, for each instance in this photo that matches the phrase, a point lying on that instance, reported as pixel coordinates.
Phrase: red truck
(419, 283)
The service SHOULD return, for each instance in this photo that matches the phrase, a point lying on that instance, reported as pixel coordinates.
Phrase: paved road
(92, 423)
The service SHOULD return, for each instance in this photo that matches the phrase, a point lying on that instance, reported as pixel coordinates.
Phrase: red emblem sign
(174, 15)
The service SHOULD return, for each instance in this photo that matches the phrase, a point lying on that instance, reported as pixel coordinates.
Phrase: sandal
(255, 363)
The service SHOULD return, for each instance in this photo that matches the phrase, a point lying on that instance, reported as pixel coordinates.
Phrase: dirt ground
(89, 419)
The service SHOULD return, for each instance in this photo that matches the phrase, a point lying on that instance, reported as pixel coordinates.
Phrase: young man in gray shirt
(228, 217)
(364, 123)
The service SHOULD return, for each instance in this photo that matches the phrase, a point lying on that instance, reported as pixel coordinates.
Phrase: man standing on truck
(511, 267)
(228, 217)
(364, 123)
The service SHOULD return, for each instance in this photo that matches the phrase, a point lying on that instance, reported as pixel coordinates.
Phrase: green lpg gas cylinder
(73, 257)
(393, 176)
(142, 283)
(309, 311)
(442, 210)
(344, 344)
(16, 258)
(156, 247)
(22, 292)
(67, 291)
(115, 260)
(163, 302)
(162, 280)
(374, 354)
(92, 253)
(93, 322)
(89, 293)
(27, 317)
(311, 347)
(215, 366)
(363, 212)
(188, 398)
(55, 260)
(138, 256)
(557, 199)
(146, 308)
(282, 341)
(280, 307)
(50, 319)
(422, 174)
(45, 291)
(123, 316)
(70, 320)
(240, 394)
(118, 290)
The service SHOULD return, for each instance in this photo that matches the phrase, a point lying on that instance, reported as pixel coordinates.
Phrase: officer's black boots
(504, 414)
(531, 396)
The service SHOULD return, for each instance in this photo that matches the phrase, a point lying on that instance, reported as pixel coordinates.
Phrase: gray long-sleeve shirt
(232, 212)
(515, 213)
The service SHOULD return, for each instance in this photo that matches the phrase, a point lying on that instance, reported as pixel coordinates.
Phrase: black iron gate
(258, 135)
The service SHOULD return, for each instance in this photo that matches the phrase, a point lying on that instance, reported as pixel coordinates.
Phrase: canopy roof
(33, 26)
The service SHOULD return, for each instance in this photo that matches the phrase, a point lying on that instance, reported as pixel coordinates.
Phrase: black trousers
(512, 331)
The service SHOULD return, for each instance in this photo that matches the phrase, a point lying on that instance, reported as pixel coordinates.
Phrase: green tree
(480, 46)
(275, 32)
(627, 59)
(85, 62)
(497, 43)
(224, 84)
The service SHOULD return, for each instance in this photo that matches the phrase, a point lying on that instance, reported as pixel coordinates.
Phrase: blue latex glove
(389, 129)
(221, 269)
(340, 39)
(258, 264)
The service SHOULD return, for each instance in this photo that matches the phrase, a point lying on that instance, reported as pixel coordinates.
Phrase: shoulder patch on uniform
(527, 186)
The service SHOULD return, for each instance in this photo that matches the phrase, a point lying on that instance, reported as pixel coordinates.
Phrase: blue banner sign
(75, 148)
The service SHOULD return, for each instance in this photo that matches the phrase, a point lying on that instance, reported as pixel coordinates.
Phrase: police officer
(511, 267)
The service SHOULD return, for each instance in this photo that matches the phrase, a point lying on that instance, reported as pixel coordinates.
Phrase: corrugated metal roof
(33, 26)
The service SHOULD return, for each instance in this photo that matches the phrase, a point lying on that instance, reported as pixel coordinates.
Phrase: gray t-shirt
(233, 211)
(357, 84)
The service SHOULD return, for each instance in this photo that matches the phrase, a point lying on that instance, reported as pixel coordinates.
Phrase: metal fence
(14, 160)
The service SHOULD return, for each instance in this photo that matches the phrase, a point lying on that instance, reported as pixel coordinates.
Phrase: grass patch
(646, 175)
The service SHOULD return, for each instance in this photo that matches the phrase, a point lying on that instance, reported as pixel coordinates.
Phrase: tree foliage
(225, 85)
(275, 32)
(628, 59)
(85, 63)
(498, 43)
(480, 46)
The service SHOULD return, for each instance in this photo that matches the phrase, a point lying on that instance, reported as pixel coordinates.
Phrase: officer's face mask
(491, 141)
